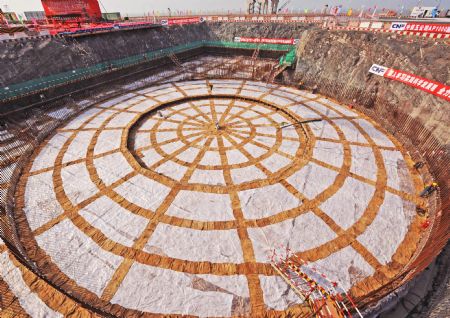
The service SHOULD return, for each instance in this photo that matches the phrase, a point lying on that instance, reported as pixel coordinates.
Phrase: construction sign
(431, 87)
(266, 40)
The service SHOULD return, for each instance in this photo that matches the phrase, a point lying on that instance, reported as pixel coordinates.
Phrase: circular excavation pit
(172, 199)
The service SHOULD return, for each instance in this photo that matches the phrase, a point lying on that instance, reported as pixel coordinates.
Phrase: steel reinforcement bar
(423, 146)
(26, 129)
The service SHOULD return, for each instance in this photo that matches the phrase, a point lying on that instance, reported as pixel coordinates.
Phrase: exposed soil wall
(227, 31)
(27, 59)
(346, 56)
(341, 56)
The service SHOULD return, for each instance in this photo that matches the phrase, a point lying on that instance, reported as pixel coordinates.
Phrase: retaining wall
(346, 57)
(28, 59)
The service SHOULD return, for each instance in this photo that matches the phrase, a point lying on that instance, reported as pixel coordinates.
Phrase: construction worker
(428, 190)
(421, 211)
(418, 165)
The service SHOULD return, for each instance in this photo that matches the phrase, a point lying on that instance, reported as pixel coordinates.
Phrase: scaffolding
(324, 297)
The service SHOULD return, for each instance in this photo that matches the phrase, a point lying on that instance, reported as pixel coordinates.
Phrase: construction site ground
(169, 199)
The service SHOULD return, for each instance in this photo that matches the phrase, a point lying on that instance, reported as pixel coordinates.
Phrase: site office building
(79, 10)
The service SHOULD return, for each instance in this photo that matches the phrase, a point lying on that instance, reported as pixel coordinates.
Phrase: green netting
(81, 73)
(251, 46)
(289, 59)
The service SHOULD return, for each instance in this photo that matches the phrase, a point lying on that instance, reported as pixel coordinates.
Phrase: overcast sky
(141, 6)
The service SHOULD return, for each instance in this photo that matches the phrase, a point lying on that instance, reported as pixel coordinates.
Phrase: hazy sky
(141, 6)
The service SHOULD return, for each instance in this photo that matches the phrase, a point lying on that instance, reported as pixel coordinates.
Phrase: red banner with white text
(431, 87)
(174, 21)
(428, 27)
(266, 40)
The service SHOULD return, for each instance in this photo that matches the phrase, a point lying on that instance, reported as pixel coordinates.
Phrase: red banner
(266, 40)
(431, 87)
(82, 8)
(173, 21)
(423, 84)
(427, 27)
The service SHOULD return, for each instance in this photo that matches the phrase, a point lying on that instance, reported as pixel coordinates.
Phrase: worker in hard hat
(428, 190)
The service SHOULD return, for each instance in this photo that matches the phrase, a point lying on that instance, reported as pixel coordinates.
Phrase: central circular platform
(170, 200)
(218, 144)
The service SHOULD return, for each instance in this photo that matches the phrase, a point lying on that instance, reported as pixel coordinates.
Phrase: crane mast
(262, 6)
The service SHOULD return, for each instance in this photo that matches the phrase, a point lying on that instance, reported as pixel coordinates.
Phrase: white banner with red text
(421, 27)
(432, 87)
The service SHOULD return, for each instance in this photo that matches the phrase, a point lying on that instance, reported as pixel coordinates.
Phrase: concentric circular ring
(250, 134)
(167, 192)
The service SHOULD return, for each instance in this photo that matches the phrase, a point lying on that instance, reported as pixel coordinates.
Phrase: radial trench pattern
(170, 199)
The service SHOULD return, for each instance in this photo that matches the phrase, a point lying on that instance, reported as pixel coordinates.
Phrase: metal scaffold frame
(325, 298)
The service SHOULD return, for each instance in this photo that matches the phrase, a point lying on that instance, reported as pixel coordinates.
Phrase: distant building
(35, 15)
(112, 16)
(425, 12)
(86, 10)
